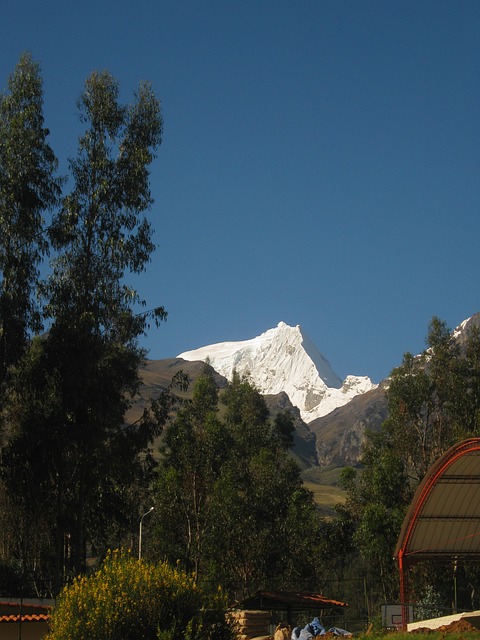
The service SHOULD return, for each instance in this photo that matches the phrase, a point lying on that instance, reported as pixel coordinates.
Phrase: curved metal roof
(444, 516)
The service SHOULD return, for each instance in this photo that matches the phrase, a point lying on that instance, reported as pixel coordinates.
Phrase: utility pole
(140, 533)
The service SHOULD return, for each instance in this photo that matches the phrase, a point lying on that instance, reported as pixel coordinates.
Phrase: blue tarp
(315, 628)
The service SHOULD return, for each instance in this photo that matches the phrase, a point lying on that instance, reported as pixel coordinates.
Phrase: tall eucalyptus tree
(71, 449)
(28, 188)
(102, 235)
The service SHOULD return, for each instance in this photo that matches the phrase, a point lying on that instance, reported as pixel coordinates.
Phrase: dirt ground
(458, 626)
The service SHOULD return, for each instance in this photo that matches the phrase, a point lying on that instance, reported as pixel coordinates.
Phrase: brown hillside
(341, 434)
(157, 375)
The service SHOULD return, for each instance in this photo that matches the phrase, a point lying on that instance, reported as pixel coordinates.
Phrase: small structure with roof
(289, 603)
(443, 519)
(24, 618)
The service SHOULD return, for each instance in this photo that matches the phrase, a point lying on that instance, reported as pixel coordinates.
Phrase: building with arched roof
(443, 519)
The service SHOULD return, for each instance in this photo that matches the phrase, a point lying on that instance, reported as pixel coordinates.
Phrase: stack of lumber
(282, 632)
(251, 624)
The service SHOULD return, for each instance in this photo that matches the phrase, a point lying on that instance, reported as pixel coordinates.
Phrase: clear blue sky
(320, 162)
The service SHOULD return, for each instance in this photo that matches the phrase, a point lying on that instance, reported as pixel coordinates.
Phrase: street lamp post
(140, 533)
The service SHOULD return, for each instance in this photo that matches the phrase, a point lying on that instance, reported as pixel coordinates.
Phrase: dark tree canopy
(241, 514)
(434, 402)
(69, 462)
(28, 188)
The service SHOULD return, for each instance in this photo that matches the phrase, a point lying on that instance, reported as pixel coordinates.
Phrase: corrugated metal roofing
(444, 517)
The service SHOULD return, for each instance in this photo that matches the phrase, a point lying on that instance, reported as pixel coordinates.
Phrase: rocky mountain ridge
(284, 359)
(340, 434)
(333, 439)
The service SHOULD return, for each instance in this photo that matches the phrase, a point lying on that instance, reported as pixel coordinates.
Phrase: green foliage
(434, 402)
(101, 231)
(73, 471)
(127, 599)
(101, 234)
(28, 187)
(228, 479)
(284, 429)
(429, 604)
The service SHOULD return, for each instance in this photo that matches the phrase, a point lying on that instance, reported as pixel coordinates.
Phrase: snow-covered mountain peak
(284, 359)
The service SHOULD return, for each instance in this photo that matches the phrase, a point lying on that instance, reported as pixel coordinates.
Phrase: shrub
(128, 599)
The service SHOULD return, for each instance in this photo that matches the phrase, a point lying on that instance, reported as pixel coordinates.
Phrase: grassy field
(323, 483)
(325, 496)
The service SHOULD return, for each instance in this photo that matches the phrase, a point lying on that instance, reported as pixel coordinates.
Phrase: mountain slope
(291, 373)
(340, 434)
(156, 376)
(285, 359)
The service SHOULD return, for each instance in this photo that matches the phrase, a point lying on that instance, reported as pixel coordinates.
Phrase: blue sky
(320, 161)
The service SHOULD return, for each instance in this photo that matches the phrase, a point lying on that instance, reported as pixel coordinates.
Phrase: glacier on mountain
(284, 359)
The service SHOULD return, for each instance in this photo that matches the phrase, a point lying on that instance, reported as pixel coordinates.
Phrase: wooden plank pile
(251, 624)
(282, 632)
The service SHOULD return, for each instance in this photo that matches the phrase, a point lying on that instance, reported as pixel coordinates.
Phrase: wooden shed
(291, 602)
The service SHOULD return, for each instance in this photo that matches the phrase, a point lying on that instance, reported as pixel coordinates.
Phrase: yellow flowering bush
(128, 599)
